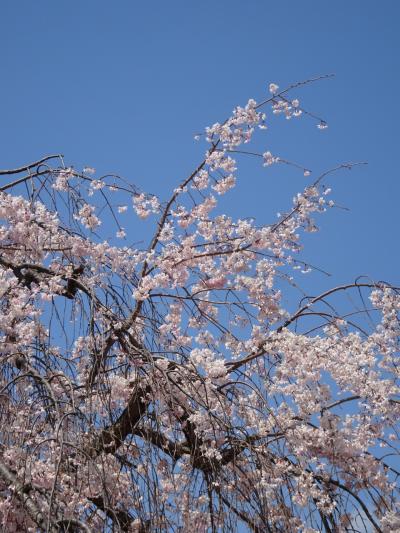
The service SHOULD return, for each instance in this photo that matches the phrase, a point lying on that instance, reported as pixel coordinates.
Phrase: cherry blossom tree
(166, 387)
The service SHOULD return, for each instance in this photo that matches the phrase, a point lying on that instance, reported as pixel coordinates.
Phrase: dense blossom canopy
(166, 387)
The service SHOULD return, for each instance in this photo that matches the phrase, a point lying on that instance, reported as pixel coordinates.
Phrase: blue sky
(123, 86)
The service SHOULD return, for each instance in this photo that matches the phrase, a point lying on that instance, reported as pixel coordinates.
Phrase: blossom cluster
(171, 386)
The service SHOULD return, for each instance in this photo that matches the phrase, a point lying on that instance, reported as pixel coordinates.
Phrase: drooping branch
(30, 165)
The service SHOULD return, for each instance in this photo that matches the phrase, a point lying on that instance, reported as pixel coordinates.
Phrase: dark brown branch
(174, 449)
(111, 438)
(24, 178)
(120, 517)
(30, 273)
(31, 165)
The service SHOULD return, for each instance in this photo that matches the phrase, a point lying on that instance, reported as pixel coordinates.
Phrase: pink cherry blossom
(169, 386)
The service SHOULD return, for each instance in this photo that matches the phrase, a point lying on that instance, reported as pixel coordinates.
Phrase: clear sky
(123, 85)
